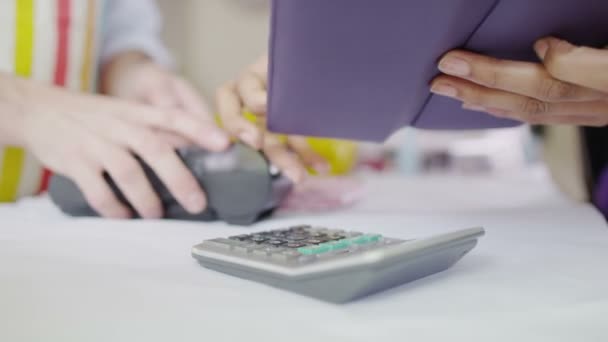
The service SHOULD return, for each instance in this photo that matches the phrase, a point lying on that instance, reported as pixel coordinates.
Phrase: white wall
(215, 39)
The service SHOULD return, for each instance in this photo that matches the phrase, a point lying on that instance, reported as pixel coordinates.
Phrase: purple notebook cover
(360, 69)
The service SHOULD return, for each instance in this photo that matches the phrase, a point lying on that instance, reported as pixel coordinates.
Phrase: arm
(82, 136)
(122, 34)
(127, 44)
(11, 114)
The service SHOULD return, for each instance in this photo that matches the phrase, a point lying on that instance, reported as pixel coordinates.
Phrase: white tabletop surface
(540, 273)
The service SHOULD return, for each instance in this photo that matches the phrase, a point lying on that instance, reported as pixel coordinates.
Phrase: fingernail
(445, 90)
(196, 203)
(474, 108)
(455, 66)
(541, 47)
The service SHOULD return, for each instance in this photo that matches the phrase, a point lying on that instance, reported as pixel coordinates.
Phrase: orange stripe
(88, 58)
(12, 165)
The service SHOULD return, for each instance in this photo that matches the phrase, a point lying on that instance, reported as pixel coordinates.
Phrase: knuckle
(491, 77)
(127, 172)
(534, 107)
(554, 90)
(472, 95)
(151, 145)
(168, 120)
(556, 65)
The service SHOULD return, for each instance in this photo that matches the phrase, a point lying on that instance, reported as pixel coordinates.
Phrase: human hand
(569, 86)
(133, 76)
(248, 94)
(82, 136)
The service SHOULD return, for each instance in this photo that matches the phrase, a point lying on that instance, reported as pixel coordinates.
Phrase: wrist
(118, 67)
(13, 99)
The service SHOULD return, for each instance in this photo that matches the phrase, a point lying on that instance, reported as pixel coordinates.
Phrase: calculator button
(240, 237)
(341, 244)
(315, 241)
(259, 238)
(276, 242)
(295, 245)
(335, 237)
(314, 250)
(319, 230)
(296, 237)
(366, 239)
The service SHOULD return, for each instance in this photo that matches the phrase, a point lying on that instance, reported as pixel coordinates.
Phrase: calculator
(333, 265)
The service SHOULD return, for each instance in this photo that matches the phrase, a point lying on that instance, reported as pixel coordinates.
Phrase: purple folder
(361, 69)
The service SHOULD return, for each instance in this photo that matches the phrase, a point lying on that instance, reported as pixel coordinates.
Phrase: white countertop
(540, 273)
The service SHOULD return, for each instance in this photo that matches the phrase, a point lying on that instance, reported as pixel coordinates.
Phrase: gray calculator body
(341, 275)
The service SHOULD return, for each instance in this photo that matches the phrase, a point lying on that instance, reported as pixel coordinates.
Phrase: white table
(540, 274)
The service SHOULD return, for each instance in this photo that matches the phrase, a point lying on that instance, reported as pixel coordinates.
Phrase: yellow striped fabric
(53, 41)
(12, 163)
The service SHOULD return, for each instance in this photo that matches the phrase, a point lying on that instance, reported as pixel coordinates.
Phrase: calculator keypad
(299, 244)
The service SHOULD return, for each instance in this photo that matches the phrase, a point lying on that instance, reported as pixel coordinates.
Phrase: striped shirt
(63, 42)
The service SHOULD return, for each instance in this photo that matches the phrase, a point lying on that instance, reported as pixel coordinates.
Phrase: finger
(189, 99)
(281, 157)
(307, 155)
(170, 169)
(203, 133)
(253, 93)
(584, 66)
(161, 157)
(160, 97)
(260, 69)
(173, 140)
(129, 177)
(514, 106)
(528, 79)
(98, 193)
(230, 111)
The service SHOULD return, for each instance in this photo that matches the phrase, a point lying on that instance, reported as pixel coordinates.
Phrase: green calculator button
(313, 250)
(341, 244)
(365, 239)
(375, 238)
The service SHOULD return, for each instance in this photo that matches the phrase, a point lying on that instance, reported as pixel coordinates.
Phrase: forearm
(13, 97)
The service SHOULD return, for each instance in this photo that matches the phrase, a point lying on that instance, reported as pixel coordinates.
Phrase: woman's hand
(248, 94)
(133, 76)
(569, 86)
(82, 136)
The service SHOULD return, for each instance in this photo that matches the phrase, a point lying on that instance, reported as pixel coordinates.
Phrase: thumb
(583, 66)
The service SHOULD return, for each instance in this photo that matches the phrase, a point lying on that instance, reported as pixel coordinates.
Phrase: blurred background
(212, 40)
